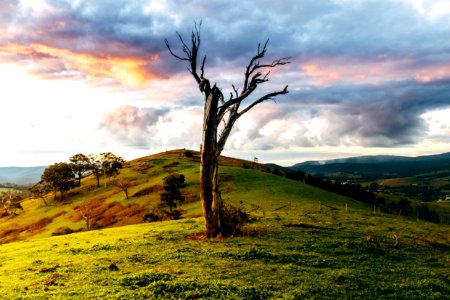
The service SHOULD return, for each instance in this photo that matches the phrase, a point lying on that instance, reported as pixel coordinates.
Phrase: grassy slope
(304, 245)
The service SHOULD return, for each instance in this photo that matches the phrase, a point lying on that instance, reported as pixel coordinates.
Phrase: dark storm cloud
(301, 29)
(95, 26)
(373, 115)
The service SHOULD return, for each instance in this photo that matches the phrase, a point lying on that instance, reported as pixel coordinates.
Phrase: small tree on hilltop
(111, 163)
(80, 165)
(172, 193)
(59, 177)
(106, 163)
(95, 165)
(222, 112)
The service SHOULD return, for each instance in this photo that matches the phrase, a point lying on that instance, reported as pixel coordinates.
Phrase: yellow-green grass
(306, 243)
(310, 253)
(155, 169)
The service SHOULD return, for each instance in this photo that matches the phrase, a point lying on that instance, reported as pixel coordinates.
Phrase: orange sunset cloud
(132, 71)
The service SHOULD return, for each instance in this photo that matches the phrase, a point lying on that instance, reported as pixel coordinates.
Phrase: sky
(367, 77)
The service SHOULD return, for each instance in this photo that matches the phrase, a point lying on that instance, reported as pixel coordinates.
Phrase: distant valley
(422, 178)
(374, 167)
(21, 175)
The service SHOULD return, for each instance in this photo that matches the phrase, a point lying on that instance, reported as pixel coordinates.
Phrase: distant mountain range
(369, 167)
(21, 175)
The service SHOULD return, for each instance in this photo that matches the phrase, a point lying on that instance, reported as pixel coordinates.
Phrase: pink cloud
(324, 72)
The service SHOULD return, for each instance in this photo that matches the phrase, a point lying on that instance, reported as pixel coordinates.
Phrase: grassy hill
(304, 243)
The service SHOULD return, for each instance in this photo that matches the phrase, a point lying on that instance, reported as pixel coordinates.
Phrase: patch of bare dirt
(147, 191)
(196, 237)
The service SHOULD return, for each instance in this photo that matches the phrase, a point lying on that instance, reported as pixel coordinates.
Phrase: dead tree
(221, 113)
(86, 214)
(122, 184)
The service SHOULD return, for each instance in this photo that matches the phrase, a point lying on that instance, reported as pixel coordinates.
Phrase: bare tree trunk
(86, 216)
(209, 185)
(97, 175)
(227, 113)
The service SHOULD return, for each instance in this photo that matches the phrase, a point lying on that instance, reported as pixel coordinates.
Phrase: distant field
(397, 181)
(432, 181)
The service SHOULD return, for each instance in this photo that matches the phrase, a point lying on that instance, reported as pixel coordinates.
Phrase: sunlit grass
(280, 258)
(305, 243)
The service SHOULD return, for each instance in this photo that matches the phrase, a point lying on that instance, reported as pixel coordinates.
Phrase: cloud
(386, 115)
(309, 31)
(57, 63)
(150, 128)
(363, 73)
(131, 125)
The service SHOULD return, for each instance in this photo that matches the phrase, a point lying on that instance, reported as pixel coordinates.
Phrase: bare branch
(202, 69)
(173, 54)
(233, 101)
(269, 96)
(185, 47)
(236, 90)
(253, 65)
(277, 62)
(191, 53)
(252, 78)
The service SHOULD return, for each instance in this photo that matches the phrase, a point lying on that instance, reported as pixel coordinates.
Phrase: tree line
(62, 176)
(358, 192)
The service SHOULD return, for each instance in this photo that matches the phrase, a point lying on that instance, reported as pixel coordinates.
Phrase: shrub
(234, 218)
(64, 231)
(188, 154)
(158, 214)
(174, 214)
(152, 217)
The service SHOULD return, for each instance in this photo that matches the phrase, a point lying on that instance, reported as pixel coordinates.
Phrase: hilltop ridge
(107, 205)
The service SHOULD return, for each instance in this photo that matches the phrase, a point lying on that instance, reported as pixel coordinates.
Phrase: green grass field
(305, 243)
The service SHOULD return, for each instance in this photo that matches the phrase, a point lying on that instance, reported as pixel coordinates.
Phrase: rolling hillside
(421, 179)
(241, 180)
(377, 167)
(303, 243)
